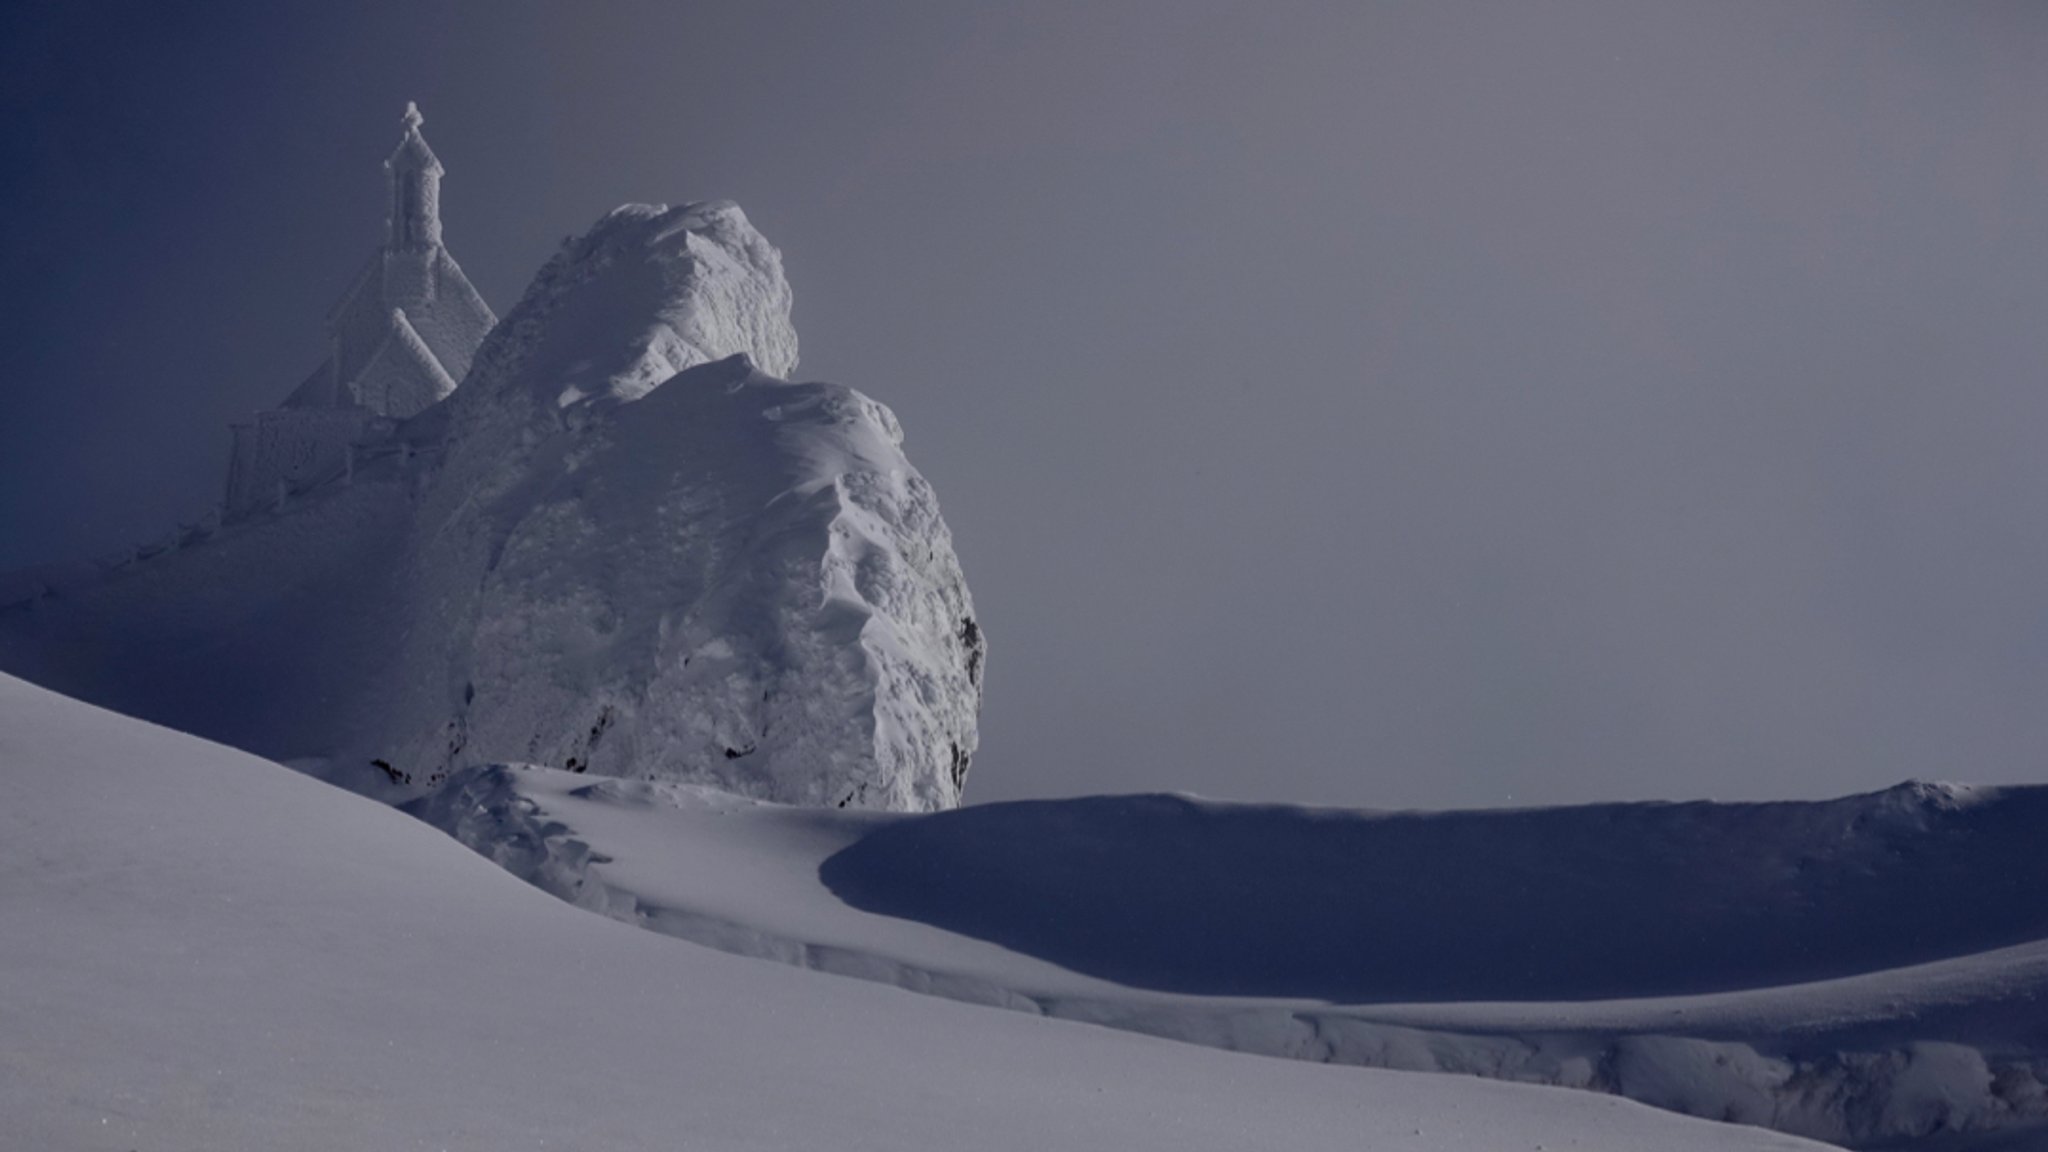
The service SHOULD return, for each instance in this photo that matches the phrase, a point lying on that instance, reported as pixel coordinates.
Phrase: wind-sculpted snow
(734, 580)
(1184, 895)
(650, 291)
(623, 546)
(1303, 907)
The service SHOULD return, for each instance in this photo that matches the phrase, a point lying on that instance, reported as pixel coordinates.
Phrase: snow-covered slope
(623, 546)
(1870, 971)
(204, 951)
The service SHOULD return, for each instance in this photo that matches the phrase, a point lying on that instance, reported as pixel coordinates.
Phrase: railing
(26, 586)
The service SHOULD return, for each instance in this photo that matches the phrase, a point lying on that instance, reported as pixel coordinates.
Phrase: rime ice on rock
(399, 340)
(671, 563)
(625, 545)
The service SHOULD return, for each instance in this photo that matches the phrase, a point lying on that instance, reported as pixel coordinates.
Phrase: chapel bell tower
(413, 175)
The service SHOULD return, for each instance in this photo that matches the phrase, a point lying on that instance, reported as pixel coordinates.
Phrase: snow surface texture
(210, 952)
(623, 546)
(1871, 971)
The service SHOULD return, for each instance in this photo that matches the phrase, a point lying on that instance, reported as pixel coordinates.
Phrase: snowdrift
(210, 952)
(623, 546)
(1806, 967)
(1596, 902)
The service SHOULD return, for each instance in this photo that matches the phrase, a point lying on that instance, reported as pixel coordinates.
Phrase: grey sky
(1419, 404)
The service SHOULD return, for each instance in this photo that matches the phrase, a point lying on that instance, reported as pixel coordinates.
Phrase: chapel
(400, 339)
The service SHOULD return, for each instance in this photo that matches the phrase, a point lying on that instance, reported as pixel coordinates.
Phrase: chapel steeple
(413, 176)
(401, 339)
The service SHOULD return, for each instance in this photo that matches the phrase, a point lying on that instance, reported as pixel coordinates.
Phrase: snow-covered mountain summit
(650, 291)
(623, 545)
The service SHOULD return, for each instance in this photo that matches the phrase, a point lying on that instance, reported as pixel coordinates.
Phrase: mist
(1440, 405)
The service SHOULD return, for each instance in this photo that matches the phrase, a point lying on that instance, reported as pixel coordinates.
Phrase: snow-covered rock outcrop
(726, 578)
(624, 545)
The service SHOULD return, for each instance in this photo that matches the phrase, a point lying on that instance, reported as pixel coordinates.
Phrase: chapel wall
(299, 447)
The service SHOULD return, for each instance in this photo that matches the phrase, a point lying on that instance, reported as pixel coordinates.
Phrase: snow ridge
(1943, 1052)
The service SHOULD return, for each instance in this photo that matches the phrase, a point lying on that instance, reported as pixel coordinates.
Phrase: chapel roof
(412, 153)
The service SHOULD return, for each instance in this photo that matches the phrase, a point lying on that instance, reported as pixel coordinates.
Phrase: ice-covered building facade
(400, 339)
